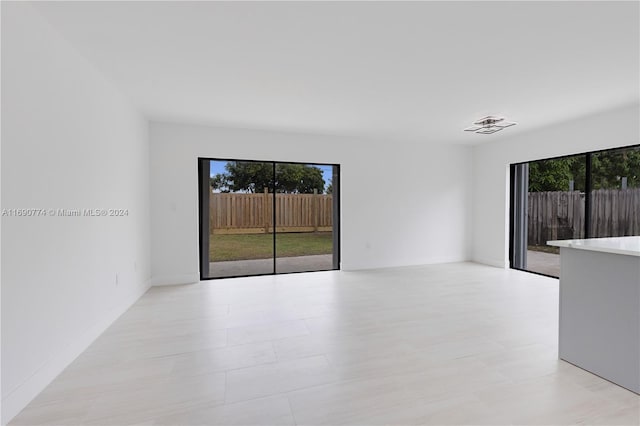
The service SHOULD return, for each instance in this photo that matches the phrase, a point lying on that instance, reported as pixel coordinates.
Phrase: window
(591, 195)
(615, 193)
(264, 217)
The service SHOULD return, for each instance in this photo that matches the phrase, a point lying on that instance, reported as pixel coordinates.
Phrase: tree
(609, 167)
(607, 170)
(218, 182)
(241, 176)
(555, 174)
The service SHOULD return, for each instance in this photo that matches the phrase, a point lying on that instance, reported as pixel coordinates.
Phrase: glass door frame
(203, 169)
(515, 189)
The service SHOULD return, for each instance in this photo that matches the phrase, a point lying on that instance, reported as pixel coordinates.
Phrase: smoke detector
(489, 124)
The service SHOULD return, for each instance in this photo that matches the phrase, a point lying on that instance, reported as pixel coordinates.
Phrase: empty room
(320, 213)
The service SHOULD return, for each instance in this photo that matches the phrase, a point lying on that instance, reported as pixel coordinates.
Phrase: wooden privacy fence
(560, 215)
(240, 213)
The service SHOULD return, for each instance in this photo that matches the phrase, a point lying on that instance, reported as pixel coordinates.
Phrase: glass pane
(615, 193)
(240, 218)
(304, 217)
(555, 209)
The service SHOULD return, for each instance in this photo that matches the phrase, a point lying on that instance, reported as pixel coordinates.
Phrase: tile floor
(444, 344)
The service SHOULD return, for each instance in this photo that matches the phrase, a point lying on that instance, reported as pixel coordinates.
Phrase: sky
(218, 167)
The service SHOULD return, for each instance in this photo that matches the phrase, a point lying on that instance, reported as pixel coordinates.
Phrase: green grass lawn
(545, 249)
(260, 246)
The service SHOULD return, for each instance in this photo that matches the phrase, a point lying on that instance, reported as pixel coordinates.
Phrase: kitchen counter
(599, 323)
(619, 245)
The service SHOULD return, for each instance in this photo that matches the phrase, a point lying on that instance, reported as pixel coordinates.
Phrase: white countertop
(619, 245)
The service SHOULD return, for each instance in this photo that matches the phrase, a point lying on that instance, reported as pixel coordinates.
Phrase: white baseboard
(429, 261)
(498, 263)
(19, 397)
(175, 279)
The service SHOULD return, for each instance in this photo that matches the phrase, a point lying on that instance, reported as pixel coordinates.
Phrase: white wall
(401, 204)
(619, 127)
(69, 140)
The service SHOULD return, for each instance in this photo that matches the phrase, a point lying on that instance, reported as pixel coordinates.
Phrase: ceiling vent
(489, 124)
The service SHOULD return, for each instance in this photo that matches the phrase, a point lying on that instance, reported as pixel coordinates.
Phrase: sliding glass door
(240, 210)
(240, 201)
(590, 195)
(548, 198)
(615, 193)
(304, 217)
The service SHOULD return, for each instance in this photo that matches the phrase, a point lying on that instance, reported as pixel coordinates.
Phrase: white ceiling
(418, 71)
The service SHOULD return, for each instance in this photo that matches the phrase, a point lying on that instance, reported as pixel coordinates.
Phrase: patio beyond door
(240, 201)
